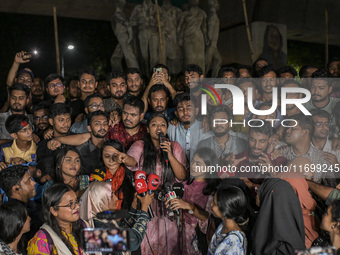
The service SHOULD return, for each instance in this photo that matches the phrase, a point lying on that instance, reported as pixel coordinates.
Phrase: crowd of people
(70, 150)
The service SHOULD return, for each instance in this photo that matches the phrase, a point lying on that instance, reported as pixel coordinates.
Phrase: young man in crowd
(22, 146)
(134, 82)
(19, 185)
(40, 119)
(321, 88)
(320, 139)
(258, 152)
(267, 83)
(131, 128)
(299, 143)
(92, 103)
(55, 88)
(158, 99)
(60, 120)
(188, 132)
(223, 141)
(18, 101)
(117, 85)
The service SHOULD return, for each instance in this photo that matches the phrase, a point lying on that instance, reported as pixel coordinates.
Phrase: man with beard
(98, 126)
(37, 90)
(321, 88)
(193, 73)
(158, 99)
(223, 141)
(267, 83)
(131, 128)
(333, 66)
(40, 119)
(259, 151)
(299, 139)
(188, 132)
(117, 85)
(320, 139)
(18, 100)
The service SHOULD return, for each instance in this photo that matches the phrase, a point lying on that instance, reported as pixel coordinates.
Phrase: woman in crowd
(149, 155)
(331, 224)
(14, 222)
(116, 173)
(61, 233)
(100, 197)
(279, 227)
(196, 200)
(67, 169)
(230, 205)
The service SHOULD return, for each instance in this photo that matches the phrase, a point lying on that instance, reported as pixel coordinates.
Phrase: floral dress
(39, 245)
(233, 243)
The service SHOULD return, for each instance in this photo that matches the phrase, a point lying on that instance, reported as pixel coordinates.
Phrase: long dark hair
(51, 198)
(13, 216)
(150, 154)
(126, 187)
(232, 203)
(59, 159)
(212, 180)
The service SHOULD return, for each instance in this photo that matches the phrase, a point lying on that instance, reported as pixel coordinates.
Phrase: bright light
(35, 52)
(70, 47)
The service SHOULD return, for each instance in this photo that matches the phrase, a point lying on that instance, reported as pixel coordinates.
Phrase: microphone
(169, 195)
(141, 189)
(140, 175)
(162, 139)
(153, 182)
(178, 189)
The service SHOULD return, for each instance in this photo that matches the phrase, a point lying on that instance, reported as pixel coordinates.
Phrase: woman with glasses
(61, 233)
(67, 170)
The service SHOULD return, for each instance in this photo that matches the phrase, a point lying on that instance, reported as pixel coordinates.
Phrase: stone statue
(144, 19)
(213, 59)
(193, 28)
(123, 31)
(173, 52)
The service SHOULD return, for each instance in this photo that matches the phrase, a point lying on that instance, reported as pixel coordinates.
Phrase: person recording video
(100, 197)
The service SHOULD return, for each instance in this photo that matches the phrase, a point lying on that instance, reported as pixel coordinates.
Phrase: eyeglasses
(320, 124)
(45, 118)
(55, 85)
(95, 106)
(71, 205)
(85, 82)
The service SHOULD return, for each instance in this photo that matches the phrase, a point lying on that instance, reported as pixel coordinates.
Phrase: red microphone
(140, 175)
(141, 187)
(153, 182)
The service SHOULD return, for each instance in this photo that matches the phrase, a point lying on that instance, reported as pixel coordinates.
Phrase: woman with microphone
(168, 161)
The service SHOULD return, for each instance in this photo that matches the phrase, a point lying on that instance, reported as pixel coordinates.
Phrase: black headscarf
(279, 227)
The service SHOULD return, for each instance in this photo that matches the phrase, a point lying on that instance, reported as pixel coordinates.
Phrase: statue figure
(144, 18)
(193, 28)
(173, 52)
(213, 59)
(123, 31)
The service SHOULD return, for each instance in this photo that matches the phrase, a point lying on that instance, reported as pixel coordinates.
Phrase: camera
(157, 70)
(32, 54)
(105, 240)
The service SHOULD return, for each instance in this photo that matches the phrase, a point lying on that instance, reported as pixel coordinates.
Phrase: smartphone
(32, 54)
(157, 70)
(105, 240)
